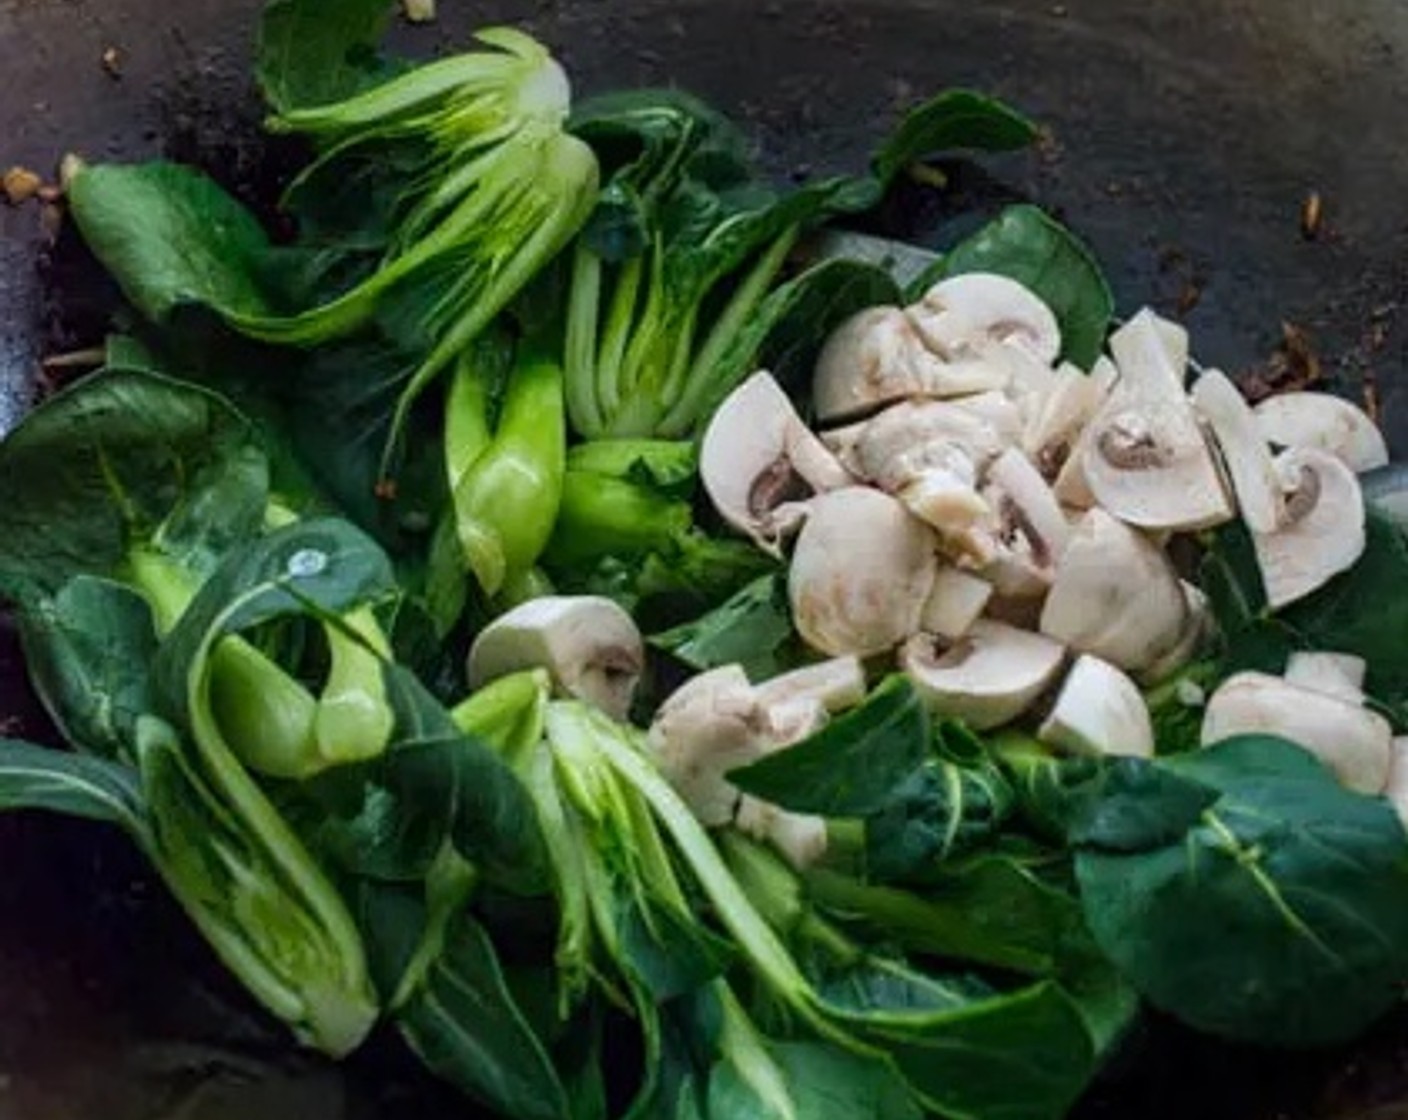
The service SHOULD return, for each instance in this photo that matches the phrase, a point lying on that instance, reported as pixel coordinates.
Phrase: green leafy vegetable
(1246, 892)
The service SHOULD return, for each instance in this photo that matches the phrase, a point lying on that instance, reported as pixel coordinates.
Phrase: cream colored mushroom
(1115, 596)
(1147, 461)
(1322, 531)
(1244, 451)
(836, 684)
(708, 726)
(1055, 427)
(759, 462)
(589, 645)
(957, 600)
(1325, 422)
(1196, 630)
(1336, 674)
(1351, 740)
(965, 316)
(1026, 533)
(987, 678)
(877, 357)
(1099, 711)
(861, 573)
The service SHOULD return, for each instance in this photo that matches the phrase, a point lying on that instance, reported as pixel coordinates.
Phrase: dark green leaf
(954, 120)
(33, 777)
(1025, 244)
(313, 52)
(468, 1029)
(170, 236)
(389, 818)
(828, 1082)
(141, 454)
(854, 765)
(1280, 913)
(89, 651)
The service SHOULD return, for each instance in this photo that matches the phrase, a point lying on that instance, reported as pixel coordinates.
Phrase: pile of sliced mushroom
(998, 523)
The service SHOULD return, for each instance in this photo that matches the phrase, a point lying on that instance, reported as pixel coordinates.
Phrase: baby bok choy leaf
(689, 239)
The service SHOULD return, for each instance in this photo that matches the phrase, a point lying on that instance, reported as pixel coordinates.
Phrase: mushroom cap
(877, 357)
(1336, 674)
(1244, 450)
(1322, 532)
(590, 646)
(759, 462)
(899, 444)
(861, 572)
(1116, 595)
(1069, 405)
(956, 601)
(1099, 711)
(988, 678)
(1351, 740)
(966, 315)
(1325, 422)
(1146, 460)
(836, 684)
(708, 726)
(1197, 629)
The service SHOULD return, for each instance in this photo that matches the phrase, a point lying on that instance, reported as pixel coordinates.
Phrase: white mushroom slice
(1335, 674)
(966, 315)
(877, 357)
(1325, 422)
(799, 838)
(1351, 740)
(589, 645)
(1051, 434)
(1244, 451)
(861, 572)
(836, 684)
(1322, 531)
(1030, 379)
(1152, 352)
(1397, 788)
(1099, 711)
(957, 600)
(1116, 596)
(759, 462)
(998, 411)
(1071, 488)
(841, 442)
(987, 678)
(1147, 461)
(898, 445)
(708, 726)
(1041, 514)
(1196, 630)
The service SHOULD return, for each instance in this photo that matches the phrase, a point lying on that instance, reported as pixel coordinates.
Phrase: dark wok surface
(1186, 136)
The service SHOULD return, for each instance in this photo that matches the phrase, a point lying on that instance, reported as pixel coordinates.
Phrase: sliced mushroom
(1244, 451)
(1335, 674)
(759, 462)
(800, 838)
(965, 316)
(1147, 461)
(1196, 630)
(1397, 788)
(1099, 711)
(1322, 529)
(1153, 351)
(1115, 596)
(1072, 402)
(588, 644)
(1351, 740)
(987, 678)
(1026, 534)
(1018, 478)
(957, 600)
(998, 411)
(835, 684)
(906, 439)
(861, 573)
(1325, 422)
(708, 726)
(877, 357)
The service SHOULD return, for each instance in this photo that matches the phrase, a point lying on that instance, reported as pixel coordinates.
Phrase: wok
(1186, 137)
